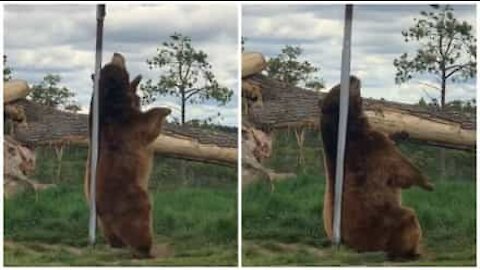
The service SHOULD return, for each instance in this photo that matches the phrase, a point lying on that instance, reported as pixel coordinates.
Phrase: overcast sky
(376, 41)
(60, 39)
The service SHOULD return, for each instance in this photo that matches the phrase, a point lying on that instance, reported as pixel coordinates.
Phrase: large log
(284, 106)
(252, 63)
(15, 89)
(50, 126)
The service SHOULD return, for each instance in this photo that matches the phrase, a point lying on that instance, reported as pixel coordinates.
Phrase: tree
(447, 49)
(48, 93)
(72, 107)
(186, 73)
(422, 103)
(7, 71)
(287, 68)
(465, 107)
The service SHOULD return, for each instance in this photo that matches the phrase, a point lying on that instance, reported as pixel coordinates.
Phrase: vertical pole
(94, 132)
(342, 124)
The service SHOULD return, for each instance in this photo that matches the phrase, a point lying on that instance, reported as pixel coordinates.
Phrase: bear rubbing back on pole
(373, 218)
(124, 160)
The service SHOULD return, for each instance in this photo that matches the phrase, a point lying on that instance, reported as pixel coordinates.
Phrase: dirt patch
(164, 250)
(160, 250)
(270, 248)
(41, 247)
(301, 247)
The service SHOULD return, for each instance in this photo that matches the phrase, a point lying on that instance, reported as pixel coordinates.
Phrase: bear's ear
(135, 82)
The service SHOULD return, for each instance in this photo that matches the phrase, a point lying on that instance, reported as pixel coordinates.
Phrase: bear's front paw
(428, 186)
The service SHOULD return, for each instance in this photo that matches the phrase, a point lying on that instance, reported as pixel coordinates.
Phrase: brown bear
(124, 160)
(373, 218)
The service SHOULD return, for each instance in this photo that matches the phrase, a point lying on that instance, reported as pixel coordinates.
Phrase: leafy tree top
(49, 93)
(185, 73)
(7, 71)
(288, 68)
(447, 47)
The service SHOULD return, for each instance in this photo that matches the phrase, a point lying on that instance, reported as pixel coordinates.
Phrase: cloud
(294, 26)
(60, 39)
(376, 42)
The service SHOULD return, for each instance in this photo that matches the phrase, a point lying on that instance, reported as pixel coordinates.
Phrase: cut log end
(252, 63)
(14, 90)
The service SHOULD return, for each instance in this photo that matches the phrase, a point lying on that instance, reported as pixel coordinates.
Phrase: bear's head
(118, 96)
(330, 104)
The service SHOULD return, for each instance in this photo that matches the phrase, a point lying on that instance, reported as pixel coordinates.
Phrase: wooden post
(300, 136)
(59, 153)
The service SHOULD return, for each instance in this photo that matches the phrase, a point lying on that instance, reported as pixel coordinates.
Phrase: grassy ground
(286, 228)
(194, 224)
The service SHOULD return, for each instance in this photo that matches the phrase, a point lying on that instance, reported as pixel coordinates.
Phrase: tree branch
(193, 93)
(453, 66)
(180, 65)
(190, 90)
(187, 72)
(449, 45)
(455, 69)
(440, 47)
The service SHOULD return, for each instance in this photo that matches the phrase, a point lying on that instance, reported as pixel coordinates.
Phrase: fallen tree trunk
(285, 106)
(50, 126)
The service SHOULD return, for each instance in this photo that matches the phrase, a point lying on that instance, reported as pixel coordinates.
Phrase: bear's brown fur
(373, 218)
(124, 161)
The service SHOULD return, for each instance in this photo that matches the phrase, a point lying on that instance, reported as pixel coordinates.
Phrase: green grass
(286, 228)
(195, 225)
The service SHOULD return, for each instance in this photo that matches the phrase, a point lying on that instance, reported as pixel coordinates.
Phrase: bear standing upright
(124, 160)
(373, 218)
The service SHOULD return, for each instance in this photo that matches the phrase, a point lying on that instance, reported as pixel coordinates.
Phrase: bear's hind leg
(113, 240)
(405, 236)
(135, 231)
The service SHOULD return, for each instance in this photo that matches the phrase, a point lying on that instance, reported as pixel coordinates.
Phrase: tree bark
(444, 87)
(183, 105)
(443, 154)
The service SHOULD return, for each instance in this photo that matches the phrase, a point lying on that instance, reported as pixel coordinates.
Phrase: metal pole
(342, 124)
(95, 135)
